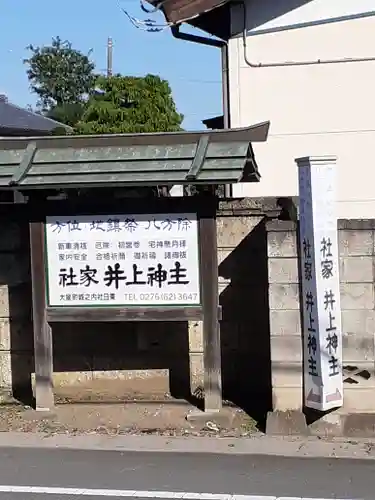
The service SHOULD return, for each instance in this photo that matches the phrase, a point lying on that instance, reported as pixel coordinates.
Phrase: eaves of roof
(212, 16)
(208, 157)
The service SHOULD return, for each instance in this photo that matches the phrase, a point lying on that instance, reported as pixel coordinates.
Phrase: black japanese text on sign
(310, 307)
(122, 225)
(332, 338)
(115, 275)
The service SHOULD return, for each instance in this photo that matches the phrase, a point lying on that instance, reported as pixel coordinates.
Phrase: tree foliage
(59, 75)
(70, 92)
(69, 113)
(126, 104)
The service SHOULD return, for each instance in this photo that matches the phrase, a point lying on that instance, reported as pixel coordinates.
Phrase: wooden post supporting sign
(43, 357)
(211, 326)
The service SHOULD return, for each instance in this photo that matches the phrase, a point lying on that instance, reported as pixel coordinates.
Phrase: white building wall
(319, 109)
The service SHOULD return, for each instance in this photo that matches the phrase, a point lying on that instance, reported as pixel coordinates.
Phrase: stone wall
(243, 286)
(16, 334)
(357, 268)
(135, 358)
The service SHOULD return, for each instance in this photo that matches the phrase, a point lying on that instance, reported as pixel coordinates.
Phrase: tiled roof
(15, 118)
(129, 160)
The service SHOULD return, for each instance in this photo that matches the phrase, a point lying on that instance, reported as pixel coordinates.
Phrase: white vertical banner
(320, 299)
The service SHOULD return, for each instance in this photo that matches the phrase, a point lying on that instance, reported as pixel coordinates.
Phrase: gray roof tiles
(208, 157)
(14, 118)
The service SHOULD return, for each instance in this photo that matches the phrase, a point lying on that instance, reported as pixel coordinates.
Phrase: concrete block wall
(243, 287)
(357, 277)
(16, 336)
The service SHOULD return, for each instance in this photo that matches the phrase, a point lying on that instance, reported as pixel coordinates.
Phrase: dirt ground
(113, 409)
(168, 419)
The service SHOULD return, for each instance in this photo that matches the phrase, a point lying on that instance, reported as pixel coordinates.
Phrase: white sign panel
(320, 284)
(122, 260)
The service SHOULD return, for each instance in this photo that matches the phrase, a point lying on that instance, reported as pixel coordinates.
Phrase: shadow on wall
(21, 342)
(245, 330)
(16, 335)
(94, 347)
(103, 347)
(259, 12)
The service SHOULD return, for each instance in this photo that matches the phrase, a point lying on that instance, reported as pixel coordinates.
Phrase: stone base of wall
(6, 396)
(295, 422)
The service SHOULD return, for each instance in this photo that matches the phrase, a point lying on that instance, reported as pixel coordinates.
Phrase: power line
(191, 80)
(179, 78)
(323, 132)
(204, 115)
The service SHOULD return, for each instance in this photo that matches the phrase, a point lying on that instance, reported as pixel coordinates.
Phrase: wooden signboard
(143, 260)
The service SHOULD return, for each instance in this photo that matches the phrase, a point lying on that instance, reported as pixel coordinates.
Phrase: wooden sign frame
(208, 311)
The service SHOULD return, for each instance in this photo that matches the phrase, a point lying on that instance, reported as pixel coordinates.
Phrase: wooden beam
(43, 352)
(211, 311)
(25, 165)
(154, 313)
(199, 158)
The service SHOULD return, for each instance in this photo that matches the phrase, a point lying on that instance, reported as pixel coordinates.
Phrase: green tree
(68, 113)
(126, 104)
(61, 77)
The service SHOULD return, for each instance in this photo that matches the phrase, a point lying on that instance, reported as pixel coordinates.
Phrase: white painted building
(308, 66)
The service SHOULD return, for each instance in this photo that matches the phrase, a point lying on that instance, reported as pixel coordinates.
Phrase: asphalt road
(72, 473)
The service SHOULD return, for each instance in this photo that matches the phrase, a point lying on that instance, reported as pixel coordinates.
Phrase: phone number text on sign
(120, 260)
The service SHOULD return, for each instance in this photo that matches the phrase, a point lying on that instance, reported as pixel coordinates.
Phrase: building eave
(129, 160)
(211, 16)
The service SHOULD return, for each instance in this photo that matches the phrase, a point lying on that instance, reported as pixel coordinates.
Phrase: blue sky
(192, 70)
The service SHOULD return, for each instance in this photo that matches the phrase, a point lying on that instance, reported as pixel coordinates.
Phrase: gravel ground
(138, 418)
